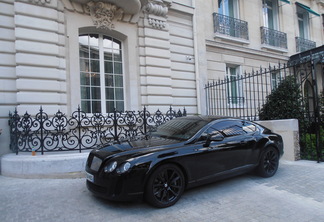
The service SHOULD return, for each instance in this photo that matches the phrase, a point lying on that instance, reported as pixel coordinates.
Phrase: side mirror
(213, 137)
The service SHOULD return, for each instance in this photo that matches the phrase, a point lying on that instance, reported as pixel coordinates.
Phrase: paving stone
(295, 194)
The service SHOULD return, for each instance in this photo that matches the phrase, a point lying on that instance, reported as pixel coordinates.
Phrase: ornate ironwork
(230, 26)
(304, 44)
(82, 131)
(273, 38)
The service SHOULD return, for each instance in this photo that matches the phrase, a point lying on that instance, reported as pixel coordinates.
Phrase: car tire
(165, 186)
(269, 163)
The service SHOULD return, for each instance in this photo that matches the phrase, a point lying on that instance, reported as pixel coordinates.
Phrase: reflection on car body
(182, 153)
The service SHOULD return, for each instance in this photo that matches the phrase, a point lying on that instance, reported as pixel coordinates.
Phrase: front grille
(96, 188)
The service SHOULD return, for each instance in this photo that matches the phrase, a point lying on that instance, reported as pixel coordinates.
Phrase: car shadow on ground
(190, 195)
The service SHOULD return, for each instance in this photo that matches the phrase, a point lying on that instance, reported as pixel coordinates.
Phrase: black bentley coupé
(182, 153)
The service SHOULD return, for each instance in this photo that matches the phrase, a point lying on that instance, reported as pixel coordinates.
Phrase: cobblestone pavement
(295, 193)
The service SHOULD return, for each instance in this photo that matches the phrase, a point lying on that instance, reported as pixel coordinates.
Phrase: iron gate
(244, 96)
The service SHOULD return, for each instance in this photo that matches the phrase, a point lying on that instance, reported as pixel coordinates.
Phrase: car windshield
(179, 129)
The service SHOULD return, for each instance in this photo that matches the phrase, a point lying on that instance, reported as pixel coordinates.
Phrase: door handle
(205, 149)
(243, 142)
(202, 149)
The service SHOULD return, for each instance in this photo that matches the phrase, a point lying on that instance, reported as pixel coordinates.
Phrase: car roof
(207, 118)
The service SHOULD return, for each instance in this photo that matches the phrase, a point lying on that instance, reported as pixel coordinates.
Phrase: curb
(62, 165)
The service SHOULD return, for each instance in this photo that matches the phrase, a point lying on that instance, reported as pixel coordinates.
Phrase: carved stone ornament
(156, 7)
(156, 11)
(130, 7)
(156, 22)
(40, 1)
(103, 14)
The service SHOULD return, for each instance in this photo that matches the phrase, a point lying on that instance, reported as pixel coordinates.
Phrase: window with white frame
(270, 14)
(275, 80)
(235, 96)
(101, 74)
(303, 23)
(228, 8)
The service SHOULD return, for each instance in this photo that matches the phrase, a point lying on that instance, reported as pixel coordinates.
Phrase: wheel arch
(163, 162)
(266, 146)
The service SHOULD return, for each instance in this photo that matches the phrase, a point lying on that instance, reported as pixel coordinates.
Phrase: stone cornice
(104, 12)
(40, 1)
(248, 52)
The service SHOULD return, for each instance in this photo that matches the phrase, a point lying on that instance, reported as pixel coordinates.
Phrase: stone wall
(288, 129)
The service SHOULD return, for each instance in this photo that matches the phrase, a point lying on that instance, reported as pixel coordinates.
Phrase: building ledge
(245, 49)
(231, 39)
(275, 49)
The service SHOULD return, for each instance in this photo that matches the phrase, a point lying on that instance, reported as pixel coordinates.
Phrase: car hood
(139, 147)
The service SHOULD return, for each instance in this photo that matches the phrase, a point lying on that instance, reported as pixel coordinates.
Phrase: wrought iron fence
(251, 92)
(273, 38)
(44, 133)
(230, 26)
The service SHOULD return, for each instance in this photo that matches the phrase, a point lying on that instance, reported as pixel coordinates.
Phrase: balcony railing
(304, 44)
(273, 38)
(230, 26)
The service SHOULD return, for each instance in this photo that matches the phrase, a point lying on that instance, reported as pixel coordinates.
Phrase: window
(275, 80)
(303, 23)
(227, 22)
(228, 8)
(101, 74)
(234, 86)
(270, 14)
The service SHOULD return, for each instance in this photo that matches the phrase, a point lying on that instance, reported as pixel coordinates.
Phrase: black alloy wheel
(269, 162)
(165, 186)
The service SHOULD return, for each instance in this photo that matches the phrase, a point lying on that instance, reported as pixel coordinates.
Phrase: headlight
(110, 167)
(124, 167)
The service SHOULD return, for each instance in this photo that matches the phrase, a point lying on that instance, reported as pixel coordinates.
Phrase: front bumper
(119, 187)
(113, 192)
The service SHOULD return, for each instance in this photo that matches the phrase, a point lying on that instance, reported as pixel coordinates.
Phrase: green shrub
(308, 143)
(285, 102)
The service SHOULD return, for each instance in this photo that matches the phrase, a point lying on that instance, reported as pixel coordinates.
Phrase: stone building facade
(126, 54)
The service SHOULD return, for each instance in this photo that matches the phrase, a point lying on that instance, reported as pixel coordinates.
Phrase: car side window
(229, 128)
(249, 127)
(210, 131)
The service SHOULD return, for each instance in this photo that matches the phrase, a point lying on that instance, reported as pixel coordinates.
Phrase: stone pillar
(288, 129)
(40, 56)
(155, 56)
